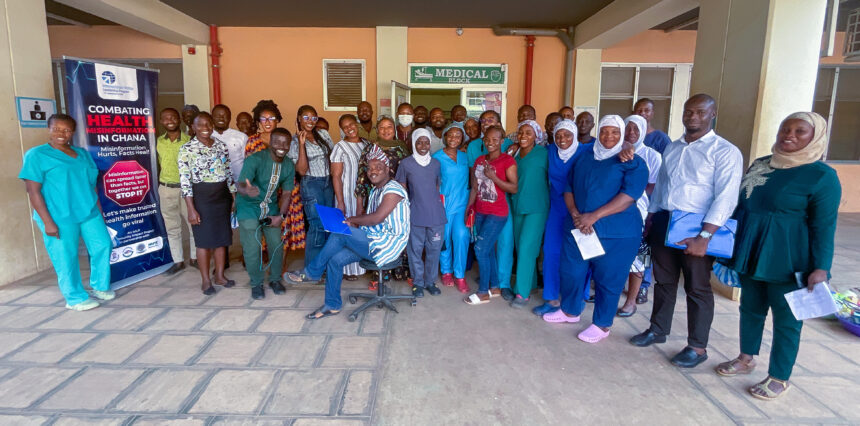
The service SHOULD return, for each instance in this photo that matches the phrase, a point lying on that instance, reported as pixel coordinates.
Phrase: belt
(170, 185)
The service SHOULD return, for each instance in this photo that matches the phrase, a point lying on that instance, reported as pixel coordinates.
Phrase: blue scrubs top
(657, 140)
(590, 141)
(558, 172)
(476, 149)
(594, 183)
(68, 184)
(455, 180)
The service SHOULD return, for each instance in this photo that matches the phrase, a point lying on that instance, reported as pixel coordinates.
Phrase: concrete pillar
(759, 59)
(391, 64)
(195, 76)
(25, 61)
(586, 81)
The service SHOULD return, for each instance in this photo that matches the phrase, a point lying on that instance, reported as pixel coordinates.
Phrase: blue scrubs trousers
(609, 273)
(505, 252)
(552, 241)
(453, 259)
(63, 252)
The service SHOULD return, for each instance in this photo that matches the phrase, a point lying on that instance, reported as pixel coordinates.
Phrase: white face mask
(404, 119)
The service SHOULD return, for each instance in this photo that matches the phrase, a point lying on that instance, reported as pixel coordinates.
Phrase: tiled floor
(162, 353)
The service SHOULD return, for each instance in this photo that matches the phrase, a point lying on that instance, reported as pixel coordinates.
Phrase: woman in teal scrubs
(61, 182)
(455, 190)
(530, 207)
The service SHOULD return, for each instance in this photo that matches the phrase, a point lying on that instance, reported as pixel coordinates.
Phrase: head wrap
(454, 125)
(422, 160)
(808, 154)
(569, 125)
(534, 125)
(601, 152)
(640, 122)
(376, 153)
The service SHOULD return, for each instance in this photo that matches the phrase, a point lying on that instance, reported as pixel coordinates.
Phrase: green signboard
(444, 74)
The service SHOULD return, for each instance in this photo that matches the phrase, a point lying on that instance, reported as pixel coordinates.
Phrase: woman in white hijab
(786, 216)
(600, 198)
(634, 133)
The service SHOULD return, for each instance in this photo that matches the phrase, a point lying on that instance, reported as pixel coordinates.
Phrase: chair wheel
(414, 302)
(352, 299)
(380, 305)
(351, 318)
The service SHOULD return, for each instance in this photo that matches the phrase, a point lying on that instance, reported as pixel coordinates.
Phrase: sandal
(763, 387)
(373, 285)
(299, 277)
(621, 313)
(731, 368)
(322, 312)
(228, 284)
(476, 299)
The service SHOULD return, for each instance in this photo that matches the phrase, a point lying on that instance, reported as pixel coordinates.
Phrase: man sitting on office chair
(380, 235)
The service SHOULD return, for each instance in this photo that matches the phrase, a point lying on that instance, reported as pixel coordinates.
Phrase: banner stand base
(140, 277)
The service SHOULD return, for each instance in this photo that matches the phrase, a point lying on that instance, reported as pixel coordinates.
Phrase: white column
(195, 76)
(25, 61)
(586, 81)
(391, 64)
(759, 59)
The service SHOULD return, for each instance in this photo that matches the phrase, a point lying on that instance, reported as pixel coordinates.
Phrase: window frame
(834, 85)
(325, 62)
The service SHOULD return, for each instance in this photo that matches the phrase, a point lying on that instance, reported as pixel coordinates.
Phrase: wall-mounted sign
(34, 112)
(456, 74)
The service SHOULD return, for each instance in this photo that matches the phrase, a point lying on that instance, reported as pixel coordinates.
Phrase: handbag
(684, 225)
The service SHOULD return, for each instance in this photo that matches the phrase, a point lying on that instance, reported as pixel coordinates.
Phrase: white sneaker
(104, 295)
(86, 305)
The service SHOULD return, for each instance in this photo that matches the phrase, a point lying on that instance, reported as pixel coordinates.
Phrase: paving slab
(112, 349)
(292, 351)
(357, 397)
(52, 347)
(232, 320)
(127, 319)
(234, 351)
(23, 420)
(361, 351)
(165, 390)
(306, 393)
(234, 391)
(282, 321)
(89, 421)
(28, 316)
(180, 319)
(12, 340)
(48, 295)
(92, 390)
(140, 296)
(73, 320)
(28, 385)
(172, 349)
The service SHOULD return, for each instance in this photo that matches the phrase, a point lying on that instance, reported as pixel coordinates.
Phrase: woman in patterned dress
(344, 170)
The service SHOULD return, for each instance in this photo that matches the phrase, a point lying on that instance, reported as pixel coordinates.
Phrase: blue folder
(333, 220)
(686, 225)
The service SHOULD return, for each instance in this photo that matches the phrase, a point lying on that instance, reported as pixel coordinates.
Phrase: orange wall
(654, 46)
(108, 42)
(478, 45)
(849, 175)
(285, 64)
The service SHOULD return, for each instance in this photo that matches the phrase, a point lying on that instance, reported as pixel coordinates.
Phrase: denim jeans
(489, 228)
(315, 190)
(340, 250)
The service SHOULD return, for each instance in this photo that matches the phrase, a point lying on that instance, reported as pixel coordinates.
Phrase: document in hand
(589, 245)
(687, 225)
(333, 220)
(805, 305)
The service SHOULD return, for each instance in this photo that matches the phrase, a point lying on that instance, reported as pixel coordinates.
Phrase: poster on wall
(114, 106)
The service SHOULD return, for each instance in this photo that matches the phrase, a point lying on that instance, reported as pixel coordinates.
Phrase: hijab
(534, 125)
(640, 122)
(601, 152)
(423, 160)
(569, 125)
(808, 154)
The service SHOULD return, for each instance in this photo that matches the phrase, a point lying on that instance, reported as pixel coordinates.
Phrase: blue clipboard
(332, 220)
(686, 225)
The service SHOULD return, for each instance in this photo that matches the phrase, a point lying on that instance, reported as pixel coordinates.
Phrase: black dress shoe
(642, 296)
(258, 292)
(688, 358)
(176, 267)
(433, 290)
(647, 338)
(277, 287)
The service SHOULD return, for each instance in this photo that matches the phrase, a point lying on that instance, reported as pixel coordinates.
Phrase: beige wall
(26, 63)
(108, 41)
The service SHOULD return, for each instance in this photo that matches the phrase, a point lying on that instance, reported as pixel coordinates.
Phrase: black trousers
(668, 263)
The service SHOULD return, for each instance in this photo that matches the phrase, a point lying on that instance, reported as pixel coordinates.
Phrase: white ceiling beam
(623, 19)
(147, 16)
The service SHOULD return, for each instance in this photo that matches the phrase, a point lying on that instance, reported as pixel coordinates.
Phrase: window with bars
(837, 98)
(343, 83)
(622, 85)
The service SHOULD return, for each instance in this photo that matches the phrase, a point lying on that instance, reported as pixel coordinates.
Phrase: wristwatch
(283, 216)
(705, 234)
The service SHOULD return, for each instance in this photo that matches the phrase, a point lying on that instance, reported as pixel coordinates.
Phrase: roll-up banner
(114, 106)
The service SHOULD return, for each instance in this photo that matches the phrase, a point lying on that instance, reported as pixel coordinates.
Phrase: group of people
(432, 193)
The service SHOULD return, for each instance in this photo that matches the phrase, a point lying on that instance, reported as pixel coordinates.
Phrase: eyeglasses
(311, 118)
(270, 119)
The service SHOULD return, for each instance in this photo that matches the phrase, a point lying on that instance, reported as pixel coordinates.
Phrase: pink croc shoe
(559, 317)
(448, 280)
(593, 334)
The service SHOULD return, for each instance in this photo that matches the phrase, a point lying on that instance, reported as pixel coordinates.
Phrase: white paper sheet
(589, 245)
(805, 305)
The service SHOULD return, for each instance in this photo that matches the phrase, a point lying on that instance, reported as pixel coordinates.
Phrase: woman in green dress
(786, 216)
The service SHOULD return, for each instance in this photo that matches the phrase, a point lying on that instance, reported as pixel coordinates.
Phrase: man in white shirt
(701, 173)
(234, 139)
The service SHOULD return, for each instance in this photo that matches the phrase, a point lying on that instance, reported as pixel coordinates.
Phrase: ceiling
(70, 13)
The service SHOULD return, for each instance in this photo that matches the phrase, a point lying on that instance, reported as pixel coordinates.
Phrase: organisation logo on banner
(114, 107)
(118, 83)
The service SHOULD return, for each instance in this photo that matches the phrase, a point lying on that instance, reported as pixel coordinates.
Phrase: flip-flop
(228, 284)
(299, 278)
(322, 312)
(474, 299)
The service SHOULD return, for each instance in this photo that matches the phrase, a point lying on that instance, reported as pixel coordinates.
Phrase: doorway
(433, 98)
